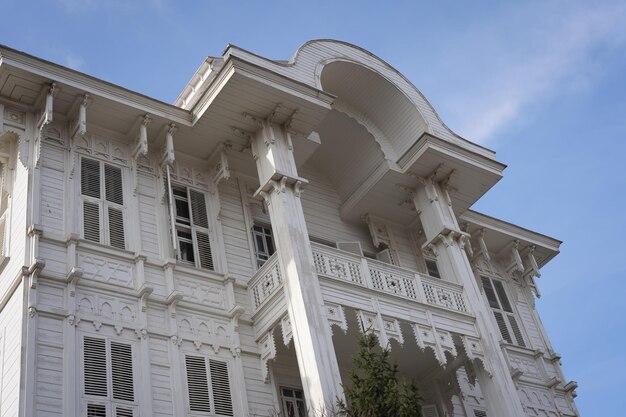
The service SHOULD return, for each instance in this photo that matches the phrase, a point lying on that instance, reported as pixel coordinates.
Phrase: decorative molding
(287, 330)
(475, 351)
(336, 315)
(379, 231)
(268, 353)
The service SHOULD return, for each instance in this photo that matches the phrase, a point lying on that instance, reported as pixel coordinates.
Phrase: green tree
(374, 389)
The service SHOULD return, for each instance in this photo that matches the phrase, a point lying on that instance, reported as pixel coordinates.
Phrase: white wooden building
(219, 256)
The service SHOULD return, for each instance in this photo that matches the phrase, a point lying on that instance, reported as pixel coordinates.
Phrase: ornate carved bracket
(141, 147)
(222, 170)
(336, 316)
(268, 353)
(287, 330)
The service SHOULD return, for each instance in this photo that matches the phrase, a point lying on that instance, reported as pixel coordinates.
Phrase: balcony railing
(368, 273)
(266, 282)
(390, 279)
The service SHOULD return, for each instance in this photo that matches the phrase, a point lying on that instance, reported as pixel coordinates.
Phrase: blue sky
(541, 82)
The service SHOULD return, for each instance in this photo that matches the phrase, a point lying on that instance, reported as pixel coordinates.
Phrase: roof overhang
(243, 92)
(499, 235)
(470, 175)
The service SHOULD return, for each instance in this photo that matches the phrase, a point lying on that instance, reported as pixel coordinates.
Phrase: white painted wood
(142, 296)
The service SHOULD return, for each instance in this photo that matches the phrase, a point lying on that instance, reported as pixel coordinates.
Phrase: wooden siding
(53, 190)
(49, 362)
(320, 203)
(10, 353)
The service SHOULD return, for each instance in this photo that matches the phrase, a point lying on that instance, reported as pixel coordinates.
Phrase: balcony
(389, 279)
(341, 266)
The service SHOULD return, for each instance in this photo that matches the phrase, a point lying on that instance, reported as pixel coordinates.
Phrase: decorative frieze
(106, 269)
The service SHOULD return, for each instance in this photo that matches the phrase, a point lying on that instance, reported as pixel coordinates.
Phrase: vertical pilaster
(445, 238)
(280, 187)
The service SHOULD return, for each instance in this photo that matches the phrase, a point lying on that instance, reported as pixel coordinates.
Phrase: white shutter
(95, 366)
(113, 184)
(170, 199)
(90, 178)
(504, 331)
(352, 247)
(221, 388)
(430, 410)
(116, 228)
(122, 371)
(123, 412)
(96, 410)
(204, 250)
(385, 256)
(480, 413)
(91, 221)
(516, 331)
(197, 384)
(198, 209)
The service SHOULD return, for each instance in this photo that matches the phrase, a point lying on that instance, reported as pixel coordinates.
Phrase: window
(431, 267)
(191, 224)
(293, 402)
(102, 203)
(108, 383)
(502, 311)
(208, 387)
(263, 243)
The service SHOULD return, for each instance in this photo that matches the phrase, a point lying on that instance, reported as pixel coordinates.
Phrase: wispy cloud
(74, 61)
(527, 58)
(90, 6)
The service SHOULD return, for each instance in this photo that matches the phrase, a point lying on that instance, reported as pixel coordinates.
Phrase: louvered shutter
(430, 411)
(114, 194)
(123, 412)
(96, 410)
(113, 184)
(91, 221)
(504, 331)
(385, 256)
(480, 413)
(116, 228)
(490, 293)
(504, 300)
(95, 366)
(204, 250)
(352, 247)
(170, 200)
(198, 209)
(90, 178)
(122, 371)
(220, 384)
(197, 384)
(516, 331)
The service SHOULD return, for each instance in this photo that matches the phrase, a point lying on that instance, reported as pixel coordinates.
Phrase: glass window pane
(186, 251)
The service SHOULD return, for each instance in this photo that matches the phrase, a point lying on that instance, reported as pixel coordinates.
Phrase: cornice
(512, 230)
(62, 75)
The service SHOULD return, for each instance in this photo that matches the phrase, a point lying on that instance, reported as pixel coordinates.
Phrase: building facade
(220, 256)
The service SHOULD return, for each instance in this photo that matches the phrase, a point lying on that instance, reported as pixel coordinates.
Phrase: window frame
(103, 204)
(427, 259)
(265, 233)
(508, 316)
(210, 384)
(292, 399)
(110, 403)
(191, 228)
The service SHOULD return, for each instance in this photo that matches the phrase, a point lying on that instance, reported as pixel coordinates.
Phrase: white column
(280, 187)
(444, 236)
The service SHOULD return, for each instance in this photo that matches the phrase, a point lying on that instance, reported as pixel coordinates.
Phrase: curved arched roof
(334, 66)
